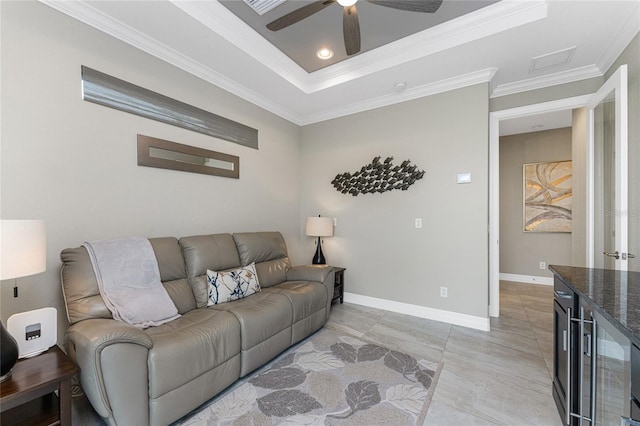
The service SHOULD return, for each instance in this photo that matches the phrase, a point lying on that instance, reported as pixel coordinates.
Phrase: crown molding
(458, 82)
(223, 22)
(562, 77)
(620, 40)
(627, 31)
(484, 22)
(85, 13)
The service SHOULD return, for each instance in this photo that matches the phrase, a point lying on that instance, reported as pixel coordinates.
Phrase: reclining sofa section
(157, 375)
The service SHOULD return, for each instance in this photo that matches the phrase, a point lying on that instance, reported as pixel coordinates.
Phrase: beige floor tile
(440, 414)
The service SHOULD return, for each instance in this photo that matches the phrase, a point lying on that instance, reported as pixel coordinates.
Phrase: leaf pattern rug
(331, 378)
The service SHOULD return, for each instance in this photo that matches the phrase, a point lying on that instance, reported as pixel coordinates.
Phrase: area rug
(331, 378)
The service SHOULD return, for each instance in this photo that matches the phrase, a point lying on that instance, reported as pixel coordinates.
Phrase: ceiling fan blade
(425, 6)
(299, 14)
(351, 30)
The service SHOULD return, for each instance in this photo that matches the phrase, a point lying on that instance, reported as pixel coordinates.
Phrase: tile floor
(501, 377)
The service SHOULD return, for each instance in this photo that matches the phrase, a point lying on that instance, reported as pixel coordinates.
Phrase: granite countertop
(615, 294)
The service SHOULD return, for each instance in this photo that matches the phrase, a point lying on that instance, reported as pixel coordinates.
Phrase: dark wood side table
(338, 287)
(28, 397)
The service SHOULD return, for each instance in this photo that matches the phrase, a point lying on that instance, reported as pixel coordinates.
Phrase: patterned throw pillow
(231, 285)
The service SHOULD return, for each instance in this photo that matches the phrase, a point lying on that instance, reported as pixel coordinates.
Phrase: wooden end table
(28, 397)
(338, 286)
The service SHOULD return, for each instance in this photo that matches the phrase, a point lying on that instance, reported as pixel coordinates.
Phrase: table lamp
(319, 227)
(22, 253)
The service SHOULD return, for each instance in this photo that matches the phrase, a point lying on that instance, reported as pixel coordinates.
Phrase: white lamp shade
(23, 248)
(319, 227)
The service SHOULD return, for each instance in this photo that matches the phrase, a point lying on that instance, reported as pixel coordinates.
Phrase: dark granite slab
(614, 294)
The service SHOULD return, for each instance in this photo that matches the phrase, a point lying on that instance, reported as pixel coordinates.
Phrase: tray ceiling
(514, 45)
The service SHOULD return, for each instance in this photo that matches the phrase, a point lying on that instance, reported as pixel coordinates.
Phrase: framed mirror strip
(159, 153)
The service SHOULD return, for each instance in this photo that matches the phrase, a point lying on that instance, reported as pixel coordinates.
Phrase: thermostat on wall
(463, 178)
(35, 331)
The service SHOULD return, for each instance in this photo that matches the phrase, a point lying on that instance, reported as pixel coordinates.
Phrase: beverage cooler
(592, 366)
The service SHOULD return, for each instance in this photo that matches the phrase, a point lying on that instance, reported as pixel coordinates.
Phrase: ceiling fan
(350, 23)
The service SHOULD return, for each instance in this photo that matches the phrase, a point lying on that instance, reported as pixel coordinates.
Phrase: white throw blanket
(129, 281)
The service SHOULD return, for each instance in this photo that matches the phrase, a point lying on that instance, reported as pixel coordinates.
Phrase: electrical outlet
(542, 265)
(335, 221)
(443, 291)
(418, 222)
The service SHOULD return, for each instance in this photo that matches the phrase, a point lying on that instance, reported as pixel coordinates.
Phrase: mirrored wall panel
(153, 152)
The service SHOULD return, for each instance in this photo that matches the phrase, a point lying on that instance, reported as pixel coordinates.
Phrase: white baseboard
(449, 317)
(527, 279)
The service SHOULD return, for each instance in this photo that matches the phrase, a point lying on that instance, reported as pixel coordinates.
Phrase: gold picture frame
(547, 196)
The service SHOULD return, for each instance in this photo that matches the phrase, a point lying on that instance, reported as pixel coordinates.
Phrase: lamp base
(8, 353)
(318, 258)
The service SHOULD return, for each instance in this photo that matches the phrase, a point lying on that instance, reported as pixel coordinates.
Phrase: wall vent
(263, 6)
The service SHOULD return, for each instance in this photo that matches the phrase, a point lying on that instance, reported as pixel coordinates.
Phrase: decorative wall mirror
(153, 152)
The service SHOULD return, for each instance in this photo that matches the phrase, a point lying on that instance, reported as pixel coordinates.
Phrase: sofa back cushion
(80, 288)
(215, 252)
(173, 272)
(269, 251)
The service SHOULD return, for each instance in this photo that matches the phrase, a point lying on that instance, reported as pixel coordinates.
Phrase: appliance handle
(581, 373)
(569, 367)
(559, 294)
(594, 368)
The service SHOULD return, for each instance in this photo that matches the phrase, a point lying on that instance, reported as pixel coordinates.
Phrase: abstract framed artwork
(547, 196)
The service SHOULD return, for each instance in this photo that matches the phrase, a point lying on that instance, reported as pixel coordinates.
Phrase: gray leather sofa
(157, 375)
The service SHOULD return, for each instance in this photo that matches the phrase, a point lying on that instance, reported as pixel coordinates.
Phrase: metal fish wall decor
(378, 177)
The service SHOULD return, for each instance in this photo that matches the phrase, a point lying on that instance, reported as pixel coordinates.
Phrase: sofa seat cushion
(265, 322)
(308, 301)
(261, 316)
(306, 297)
(190, 346)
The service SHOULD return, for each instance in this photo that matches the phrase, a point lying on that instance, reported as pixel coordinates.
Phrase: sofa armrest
(112, 357)
(309, 273)
(320, 273)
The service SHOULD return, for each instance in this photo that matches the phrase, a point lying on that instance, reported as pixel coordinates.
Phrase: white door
(608, 187)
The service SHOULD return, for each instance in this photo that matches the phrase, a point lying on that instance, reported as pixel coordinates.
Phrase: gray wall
(631, 57)
(521, 252)
(73, 163)
(385, 256)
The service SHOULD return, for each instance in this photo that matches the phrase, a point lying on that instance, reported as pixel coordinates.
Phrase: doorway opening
(495, 119)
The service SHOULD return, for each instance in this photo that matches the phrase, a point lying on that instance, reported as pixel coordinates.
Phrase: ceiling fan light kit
(350, 22)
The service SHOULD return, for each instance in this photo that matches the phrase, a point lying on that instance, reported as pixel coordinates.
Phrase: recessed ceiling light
(324, 53)
(347, 2)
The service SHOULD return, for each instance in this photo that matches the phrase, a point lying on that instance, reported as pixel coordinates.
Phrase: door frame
(618, 81)
(494, 181)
